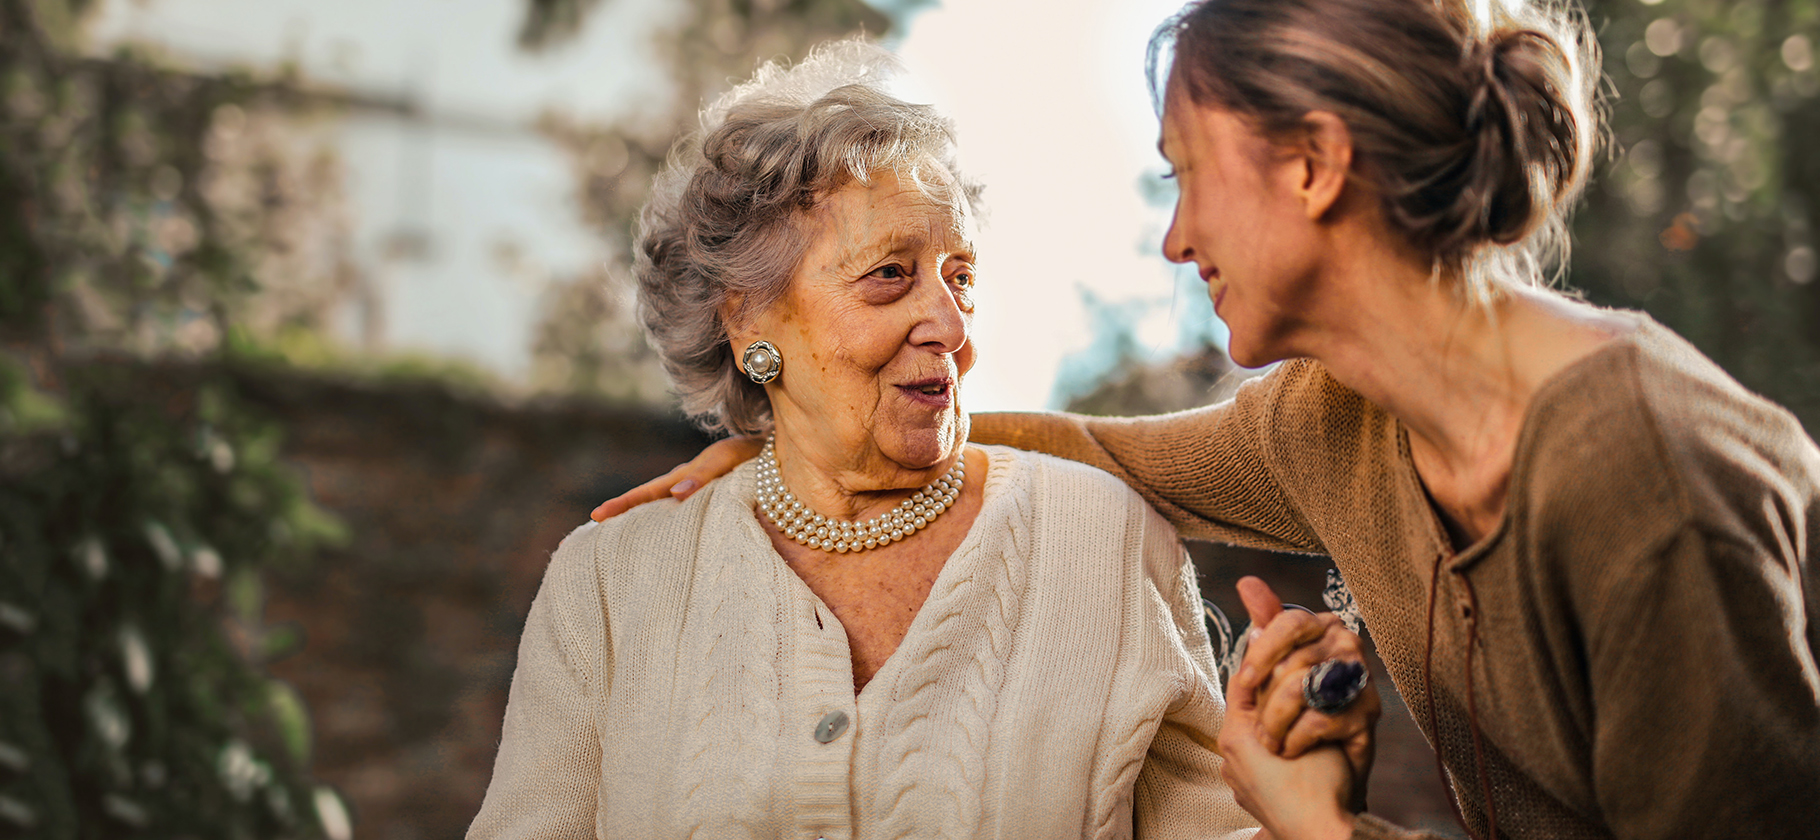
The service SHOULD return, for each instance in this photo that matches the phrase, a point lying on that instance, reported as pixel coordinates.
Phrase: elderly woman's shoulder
(1061, 482)
(1084, 515)
(663, 525)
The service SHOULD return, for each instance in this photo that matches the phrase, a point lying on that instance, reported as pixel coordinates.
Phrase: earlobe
(733, 318)
(1327, 161)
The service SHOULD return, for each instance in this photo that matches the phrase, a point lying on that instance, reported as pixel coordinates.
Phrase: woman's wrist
(1339, 827)
(1305, 823)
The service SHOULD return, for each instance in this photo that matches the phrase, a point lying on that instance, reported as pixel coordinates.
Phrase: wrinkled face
(875, 330)
(1240, 220)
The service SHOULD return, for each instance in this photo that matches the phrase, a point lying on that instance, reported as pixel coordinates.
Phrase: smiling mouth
(931, 390)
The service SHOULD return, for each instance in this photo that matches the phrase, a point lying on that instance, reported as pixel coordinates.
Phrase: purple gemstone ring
(1332, 685)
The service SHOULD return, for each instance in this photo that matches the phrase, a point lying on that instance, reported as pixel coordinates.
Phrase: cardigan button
(831, 727)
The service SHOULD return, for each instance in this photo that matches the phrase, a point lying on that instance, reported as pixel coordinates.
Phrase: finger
(1261, 602)
(1310, 729)
(650, 491)
(1293, 667)
(1280, 708)
(1242, 694)
(1262, 605)
(1313, 728)
(1284, 711)
(1283, 700)
(1352, 726)
(1288, 631)
(1289, 678)
(720, 458)
(723, 455)
(1361, 750)
(1284, 684)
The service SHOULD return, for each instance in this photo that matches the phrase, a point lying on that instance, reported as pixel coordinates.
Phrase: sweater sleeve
(1706, 720)
(1179, 792)
(546, 777)
(1705, 689)
(1206, 470)
(1368, 827)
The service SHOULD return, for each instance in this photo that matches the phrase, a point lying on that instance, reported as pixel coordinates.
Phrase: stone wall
(453, 504)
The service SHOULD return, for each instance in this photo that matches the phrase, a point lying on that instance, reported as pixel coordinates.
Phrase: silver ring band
(1333, 685)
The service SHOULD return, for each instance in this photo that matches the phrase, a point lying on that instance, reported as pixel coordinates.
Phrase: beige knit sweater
(1642, 625)
(677, 679)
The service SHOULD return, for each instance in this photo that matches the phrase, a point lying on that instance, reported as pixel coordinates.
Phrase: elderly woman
(873, 629)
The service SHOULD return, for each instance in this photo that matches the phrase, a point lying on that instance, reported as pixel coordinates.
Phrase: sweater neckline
(1546, 396)
(1003, 475)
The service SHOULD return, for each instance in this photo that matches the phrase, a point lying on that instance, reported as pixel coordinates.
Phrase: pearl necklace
(819, 532)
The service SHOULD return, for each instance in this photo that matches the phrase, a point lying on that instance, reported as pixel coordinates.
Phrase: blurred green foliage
(548, 22)
(1704, 213)
(135, 534)
(136, 521)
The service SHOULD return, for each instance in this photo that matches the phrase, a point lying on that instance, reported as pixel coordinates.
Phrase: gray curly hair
(724, 220)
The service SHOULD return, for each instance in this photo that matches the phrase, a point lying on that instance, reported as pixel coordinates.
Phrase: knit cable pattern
(956, 665)
(734, 709)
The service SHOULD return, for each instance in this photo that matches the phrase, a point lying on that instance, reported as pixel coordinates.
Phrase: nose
(1175, 244)
(943, 322)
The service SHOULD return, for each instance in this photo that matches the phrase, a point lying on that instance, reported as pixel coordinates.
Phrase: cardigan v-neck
(967, 550)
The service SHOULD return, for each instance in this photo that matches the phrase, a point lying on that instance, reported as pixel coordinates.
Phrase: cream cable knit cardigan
(676, 679)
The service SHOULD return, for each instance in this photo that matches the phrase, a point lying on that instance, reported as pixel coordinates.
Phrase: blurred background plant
(143, 214)
(1704, 214)
(264, 570)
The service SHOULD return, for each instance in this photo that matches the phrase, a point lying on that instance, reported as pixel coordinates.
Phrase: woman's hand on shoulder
(715, 461)
(1284, 647)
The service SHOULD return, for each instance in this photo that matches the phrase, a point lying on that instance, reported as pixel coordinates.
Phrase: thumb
(1261, 602)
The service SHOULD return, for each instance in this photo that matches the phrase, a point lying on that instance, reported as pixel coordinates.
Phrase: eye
(963, 286)
(1168, 176)
(887, 283)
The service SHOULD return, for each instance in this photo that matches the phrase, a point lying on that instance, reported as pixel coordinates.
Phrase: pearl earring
(762, 362)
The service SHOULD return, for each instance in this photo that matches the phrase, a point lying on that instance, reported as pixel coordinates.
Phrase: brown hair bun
(1476, 134)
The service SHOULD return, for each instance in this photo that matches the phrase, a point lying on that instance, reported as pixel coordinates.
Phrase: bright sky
(1048, 96)
(1054, 117)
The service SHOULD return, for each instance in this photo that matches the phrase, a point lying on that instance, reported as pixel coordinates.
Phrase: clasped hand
(1302, 773)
